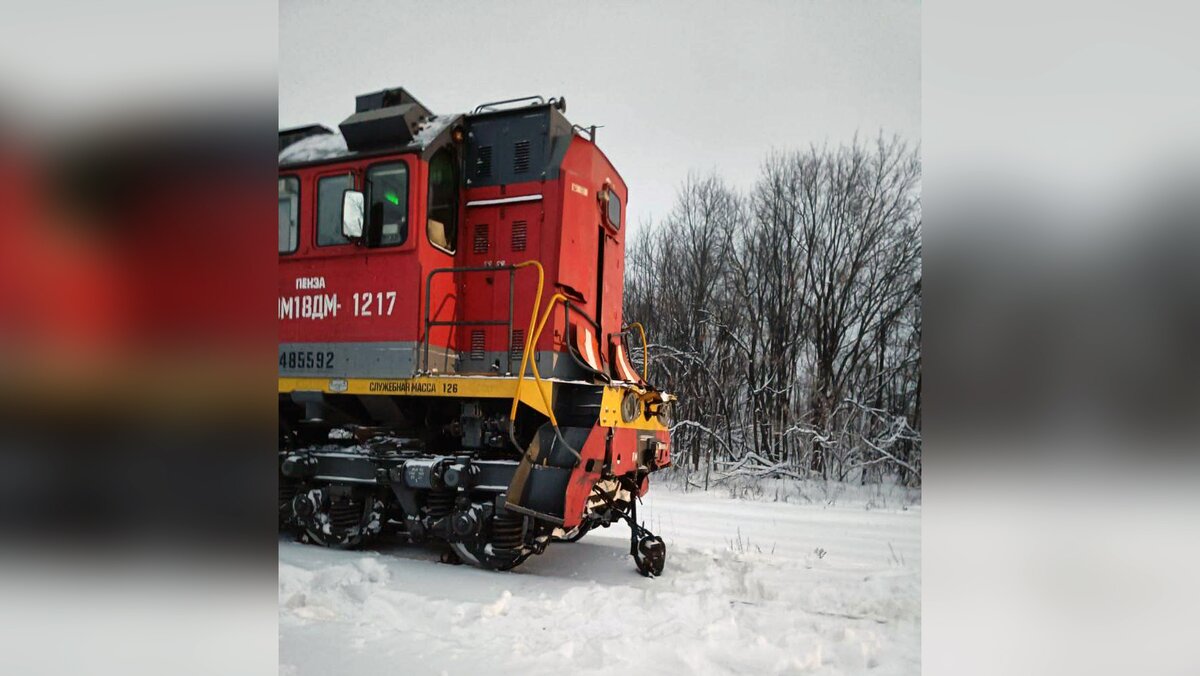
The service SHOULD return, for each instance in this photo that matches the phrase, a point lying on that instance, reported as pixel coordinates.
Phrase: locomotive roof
(331, 146)
(392, 121)
(288, 137)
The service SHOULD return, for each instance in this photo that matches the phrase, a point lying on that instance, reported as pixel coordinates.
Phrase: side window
(387, 200)
(612, 209)
(442, 223)
(329, 208)
(289, 214)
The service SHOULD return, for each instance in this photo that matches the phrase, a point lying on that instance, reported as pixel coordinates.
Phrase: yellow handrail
(531, 340)
(537, 301)
(645, 350)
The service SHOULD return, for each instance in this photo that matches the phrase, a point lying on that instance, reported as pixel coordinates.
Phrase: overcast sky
(677, 86)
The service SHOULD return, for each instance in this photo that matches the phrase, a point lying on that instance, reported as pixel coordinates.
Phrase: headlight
(666, 414)
(631, 406)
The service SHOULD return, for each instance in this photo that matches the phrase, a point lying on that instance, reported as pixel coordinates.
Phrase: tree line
(787, 317)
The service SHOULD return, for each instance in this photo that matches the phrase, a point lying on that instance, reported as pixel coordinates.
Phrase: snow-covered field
(751, 587)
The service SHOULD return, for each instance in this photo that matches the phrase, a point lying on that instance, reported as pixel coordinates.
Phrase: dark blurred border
(1061, 493)
(137, 341)
(137, 337)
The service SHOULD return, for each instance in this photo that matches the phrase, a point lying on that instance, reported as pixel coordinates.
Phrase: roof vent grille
(483, 162)
(521, 157)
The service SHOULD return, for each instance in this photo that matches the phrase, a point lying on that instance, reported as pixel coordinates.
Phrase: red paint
(580, 485)
(562, 232)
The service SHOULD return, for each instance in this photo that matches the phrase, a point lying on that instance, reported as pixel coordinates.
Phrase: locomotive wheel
(333, 541)
(479, 556)
(343, 524)
(502, 549)
(287, 493)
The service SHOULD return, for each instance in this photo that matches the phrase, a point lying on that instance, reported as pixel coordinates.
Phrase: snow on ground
(751, 587)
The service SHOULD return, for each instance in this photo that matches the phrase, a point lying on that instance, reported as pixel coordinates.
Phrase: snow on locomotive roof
(432, 128)
(333, 145)
(319, 147)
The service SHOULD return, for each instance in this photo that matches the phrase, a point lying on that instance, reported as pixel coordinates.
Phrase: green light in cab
(391, 197)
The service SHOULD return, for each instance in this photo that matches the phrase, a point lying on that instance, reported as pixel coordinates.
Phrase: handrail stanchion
(537, 334)
(645, 350)
(537, 301)
(532, 340)
(532, 334)
(485, 269)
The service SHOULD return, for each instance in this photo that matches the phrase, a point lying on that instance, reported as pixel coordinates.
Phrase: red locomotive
(453, 360)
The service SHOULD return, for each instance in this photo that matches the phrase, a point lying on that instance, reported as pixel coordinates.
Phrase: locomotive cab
(454, 363)
(384, 188)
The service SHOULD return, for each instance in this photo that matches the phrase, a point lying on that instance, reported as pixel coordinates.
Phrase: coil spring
(439, 503)
(346, 514)
(508, 531)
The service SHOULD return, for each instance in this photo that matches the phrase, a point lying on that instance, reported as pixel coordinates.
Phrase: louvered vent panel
(517, 347)
(481, 238)
(520, 234)
(521, 157)
(477, 344)
(483, 162)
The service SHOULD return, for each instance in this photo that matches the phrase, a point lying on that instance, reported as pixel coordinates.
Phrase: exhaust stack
(389, 117)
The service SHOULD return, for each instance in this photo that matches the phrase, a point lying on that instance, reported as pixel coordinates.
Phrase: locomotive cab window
(612, 209)
(387, 197)
(329, 208)
(289, 214)
(442, 223)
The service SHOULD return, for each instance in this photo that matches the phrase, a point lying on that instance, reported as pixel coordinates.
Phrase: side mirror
(352, 214)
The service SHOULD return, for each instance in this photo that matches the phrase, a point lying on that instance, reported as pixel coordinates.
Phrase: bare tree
(788, 319)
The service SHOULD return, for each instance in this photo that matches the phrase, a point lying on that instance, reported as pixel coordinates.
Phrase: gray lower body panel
(404, 360)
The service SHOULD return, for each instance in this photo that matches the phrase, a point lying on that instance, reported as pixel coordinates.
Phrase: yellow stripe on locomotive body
(490, 387)
(467, 387)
